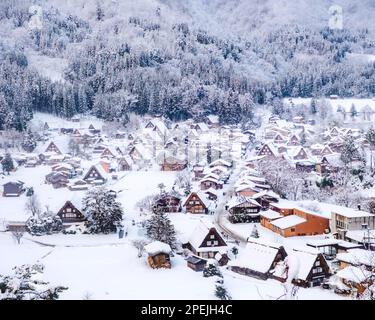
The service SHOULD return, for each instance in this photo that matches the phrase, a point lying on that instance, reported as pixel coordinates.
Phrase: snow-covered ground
(115, 272)
(51, 68)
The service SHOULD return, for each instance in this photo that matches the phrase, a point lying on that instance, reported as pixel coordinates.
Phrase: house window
(317, 270)
(212, 236)
(292, 229)
(317, 263)
(208, 243)
(216, 243)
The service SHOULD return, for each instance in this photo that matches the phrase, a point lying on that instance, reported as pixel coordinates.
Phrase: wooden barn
(196, 263)
(158, 255)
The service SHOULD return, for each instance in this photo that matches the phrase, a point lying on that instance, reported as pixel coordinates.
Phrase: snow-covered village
(117, 186)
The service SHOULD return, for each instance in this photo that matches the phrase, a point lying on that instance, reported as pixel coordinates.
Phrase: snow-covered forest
(110, 58)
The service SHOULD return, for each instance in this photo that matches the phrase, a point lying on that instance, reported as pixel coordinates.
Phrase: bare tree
(17, 235)
(140, 245)
(33, 206)
(146, 203)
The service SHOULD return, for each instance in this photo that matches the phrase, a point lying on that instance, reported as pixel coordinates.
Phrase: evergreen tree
(235, 251)
(349, 151)
(313, 108)
(222, 293)
(7, 163)
(29, 142)
(211, 270)
(103, 212)
(353, 111)
(370, 138)
(4, 109)
(254, 233)
(99, 12)
(160, 228)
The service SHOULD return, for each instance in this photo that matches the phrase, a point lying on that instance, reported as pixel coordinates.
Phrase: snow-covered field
(115, 272)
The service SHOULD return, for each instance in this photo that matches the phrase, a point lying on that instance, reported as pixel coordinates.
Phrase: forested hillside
(160, 57)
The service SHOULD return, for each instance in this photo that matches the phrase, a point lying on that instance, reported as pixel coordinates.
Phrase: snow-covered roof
(354, 274)
(288, 221)
(352, 213)
(201, 196)
(270, 214)
(358, 257)
(221, 162)
(157, 247)
(255, 158)
(199, 234)
(306, 261)
(235, 201)
(203, 126)
(323, 242)
(256, 257)
(361, 235)
(212, 190)
(213, 118)
(269, 193)
(284, 204)
(145, 154)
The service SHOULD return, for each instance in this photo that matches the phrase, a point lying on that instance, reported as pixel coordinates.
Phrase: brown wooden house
(13, 189)
(198, 171)
(242, 209)
(268, 150)
(196, 263)
(207, 183)
(313, 268)
(69, 213)
(172, 164)
(196, 202)
(265, 198)
(57, 179)
(53, 148)
(124, 163)
(169, 202)
(258, 259)
(96, 175)
(206, 241)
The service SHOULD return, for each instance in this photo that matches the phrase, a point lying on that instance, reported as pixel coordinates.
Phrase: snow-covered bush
(75, 229)
(211, 270)
(26, 284)
(222, 293)
(44, 224)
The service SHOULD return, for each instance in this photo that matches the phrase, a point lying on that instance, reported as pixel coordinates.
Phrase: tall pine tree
(160, 228)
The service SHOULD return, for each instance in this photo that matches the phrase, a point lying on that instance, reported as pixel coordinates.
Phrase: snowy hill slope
(233, 17)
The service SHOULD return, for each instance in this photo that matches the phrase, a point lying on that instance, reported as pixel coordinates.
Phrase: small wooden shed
(158, 255)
